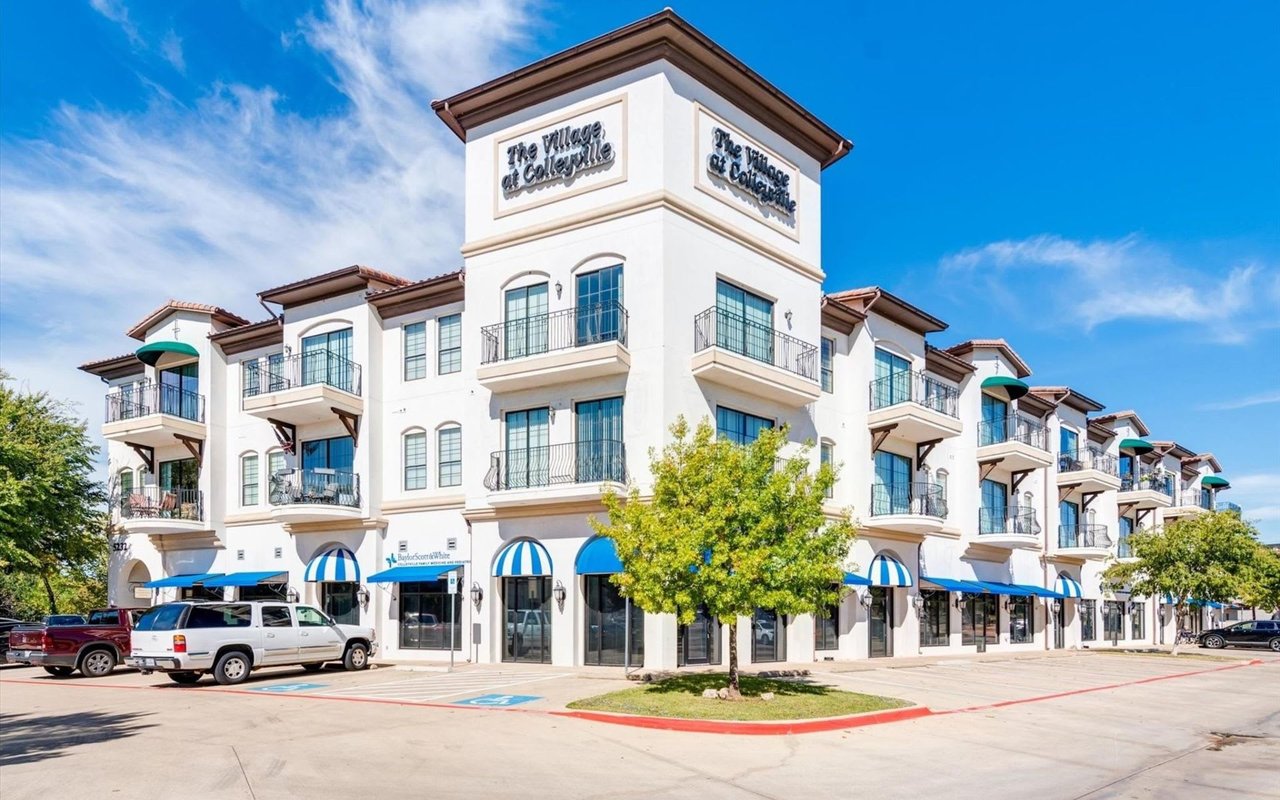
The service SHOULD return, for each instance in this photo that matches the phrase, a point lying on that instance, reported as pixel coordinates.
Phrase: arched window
(249, 479)
(449, 454)
(826, 456)
(942, 482)
(124, 480)
(1029, 500)
(415, 460)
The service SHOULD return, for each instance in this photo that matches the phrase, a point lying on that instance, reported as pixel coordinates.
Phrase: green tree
(1205, 557)
(730, 528)
(51, 509)
(1261, 588)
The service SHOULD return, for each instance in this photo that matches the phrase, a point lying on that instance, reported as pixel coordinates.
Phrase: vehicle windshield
(104, 617)
(162, 618)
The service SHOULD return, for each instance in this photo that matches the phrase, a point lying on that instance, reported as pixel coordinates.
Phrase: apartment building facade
(642, 241)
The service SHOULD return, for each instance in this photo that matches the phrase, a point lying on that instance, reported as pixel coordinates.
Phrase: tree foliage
(1262, 587)
(730, 528)
(51, 507)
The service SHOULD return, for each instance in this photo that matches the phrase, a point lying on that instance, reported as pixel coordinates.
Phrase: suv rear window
(104, 618)
(162, 618)
(220, 616)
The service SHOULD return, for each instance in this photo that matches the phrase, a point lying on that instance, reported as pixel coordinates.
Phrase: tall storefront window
(528, 619)
(340, 602)
(1138, 612)
(979, 620)
(700, 640)
(264, 591)
(606, 631)
(935, 625)
(739, 427)
(826, 628)
(1112, 620)
(430, 617)
(768, 636)
(1088, 619)
(1020, 620)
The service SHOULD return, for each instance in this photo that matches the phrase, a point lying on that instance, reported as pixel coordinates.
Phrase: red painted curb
(749, 728)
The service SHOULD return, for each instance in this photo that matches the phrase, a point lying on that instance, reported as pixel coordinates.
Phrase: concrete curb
(750, 728)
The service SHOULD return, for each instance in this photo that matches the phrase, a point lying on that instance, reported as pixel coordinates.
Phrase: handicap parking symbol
(289, 687)
(497, 700)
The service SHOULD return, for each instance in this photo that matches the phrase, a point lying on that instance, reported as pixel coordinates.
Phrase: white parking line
(439, 687)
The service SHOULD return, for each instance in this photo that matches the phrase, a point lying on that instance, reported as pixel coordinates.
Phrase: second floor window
(415, 460)
(249, 480)
(449, 346)
(1068, 441)
(826, 455)
(892, 382)
(740, 427)
(449, 451)
(415, 351)
(828, 373)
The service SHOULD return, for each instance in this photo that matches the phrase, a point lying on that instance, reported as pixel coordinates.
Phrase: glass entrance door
(700, 640)
(599, 305)
(744, 322)
(528, 619)
(599, 445)
(606, 632)
(979, 620)
(527, 448)
(180, 391)
(340, 602)
(892, 492)
(525, 321)
(880, 619)
(326, 358)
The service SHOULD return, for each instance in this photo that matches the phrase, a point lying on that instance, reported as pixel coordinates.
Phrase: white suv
(186, 640)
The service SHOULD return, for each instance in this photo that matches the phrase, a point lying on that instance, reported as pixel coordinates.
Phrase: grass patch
(681, 697)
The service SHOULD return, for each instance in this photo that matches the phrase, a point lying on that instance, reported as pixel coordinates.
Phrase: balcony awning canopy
(181, 581)
(420, 574)
(523, 558)
(149, 354)
(1214, 482)
(1139, 447)
(335, 565)
(598, 557)
(248, 578)
(888, 571)
(1011, 386)
(1068, 587)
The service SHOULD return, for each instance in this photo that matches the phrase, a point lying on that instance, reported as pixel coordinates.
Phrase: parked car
(64, 619)
(7, 624)
(94, 646)
(1250, 633)
(229, 640)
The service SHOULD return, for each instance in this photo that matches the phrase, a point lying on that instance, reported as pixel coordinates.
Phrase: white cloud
(1262, 399)
(116, 11)
(112, 213)
(1258, 495)
(1123, 279)
(171, 50)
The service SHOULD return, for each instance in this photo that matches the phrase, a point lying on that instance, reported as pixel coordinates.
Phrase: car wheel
(97, 663)
(184, 678)
(232, 668)
(59, 672)
(356, 657)
(313, 667)
(1274, 644)
(1214, 642)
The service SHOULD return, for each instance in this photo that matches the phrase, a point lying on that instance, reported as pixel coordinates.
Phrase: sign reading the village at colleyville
(750, 170)
(557, 155)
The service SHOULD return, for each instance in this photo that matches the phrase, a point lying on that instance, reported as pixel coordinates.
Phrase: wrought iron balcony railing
(916, 499)
(1014, 519)
(317, 486)
(915, 387)
(1194, 498)
(278, 374)
(593, 461)
(1161, 482)
(158, 502)
(547, 333)
(716, 327)
(1088, 458)
(1226, 505)
(146, 398)
(1083, 536)
(1012, 429)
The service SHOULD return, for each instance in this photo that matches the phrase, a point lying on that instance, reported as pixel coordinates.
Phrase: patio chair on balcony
(139, 505)
(168, 504)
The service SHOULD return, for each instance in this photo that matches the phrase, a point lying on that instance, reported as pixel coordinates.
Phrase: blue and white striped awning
(335, 565)
(1068, 587)
(888, 571)
(523, 558)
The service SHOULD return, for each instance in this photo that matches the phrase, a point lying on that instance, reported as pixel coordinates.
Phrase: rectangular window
(1112, 619)
(1137, 612)
(1088, 620)
(250, 373)
(430, 617)
(415, 460)
(528, 450)
(995, 413)
(891, 491)
(828, 373)
(769, 636)
(744, 322)
(995, 507)
(415, 351)
(738, 426)
(599, 306)
(275, 463)
(525, 321)
(449, 345)
(336, 454)
(826, 455)
(599, 448)
(935, 625)
(449, 452)
(180, 474)
(979, 618)
(826, 628)
(1020, 620)
(249, 481)
(892, 383)
(1068, 441)
(326, 358)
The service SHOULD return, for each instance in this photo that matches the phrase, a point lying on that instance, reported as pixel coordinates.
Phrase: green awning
(1012, 386)
(1214, 482)
(1139, 447)
(149, 354)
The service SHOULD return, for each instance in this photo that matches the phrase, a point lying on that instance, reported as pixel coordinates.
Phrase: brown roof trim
(1199, 457)
(114, 367)
(331, 284)
(840, 317)
(999, 345)
(1099, 433)
(1037, 405)
(430, 293)
(663, 36)
(1127, 414)
(948, 366)
(1174, 449)
(875, 299)
(268, 333)
(139, 331)
(1063, 395)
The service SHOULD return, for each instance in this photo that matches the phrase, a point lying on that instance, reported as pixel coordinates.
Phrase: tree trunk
(1177, 628)
(1254, 610)
(735, 689)
(48, 589)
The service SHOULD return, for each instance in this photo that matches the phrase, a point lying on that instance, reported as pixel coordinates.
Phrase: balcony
(1189, 503)
(152, 415)
(555, 473)
(1124, 550)
(1088, 471)
(1016, 444)
(1014, 526)
(302, 388)
(1087, 541)
(910, 508)
(573, 345)
(915, 407)
(735, 352)
(156, 510)
(1148, 489)
(1227, 506)
(314, 495)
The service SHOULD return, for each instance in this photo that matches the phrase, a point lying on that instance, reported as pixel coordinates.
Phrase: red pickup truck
(94, 648)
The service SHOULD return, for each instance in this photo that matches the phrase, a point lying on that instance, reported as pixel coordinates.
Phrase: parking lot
(1092, 725)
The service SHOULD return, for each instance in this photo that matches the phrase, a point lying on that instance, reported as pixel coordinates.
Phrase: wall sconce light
(362, 595)
(788, 316)
(917, 602)
(477, 595)
(287, 350)
(865, 599)
(559, 593)
(291, 595)
(959, 601)
(1057, 606)
(559, 289)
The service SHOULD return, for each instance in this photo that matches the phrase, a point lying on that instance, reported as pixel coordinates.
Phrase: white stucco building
(642, 241)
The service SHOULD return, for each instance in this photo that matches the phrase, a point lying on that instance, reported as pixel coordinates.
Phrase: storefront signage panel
(422, 558)
(740, 172)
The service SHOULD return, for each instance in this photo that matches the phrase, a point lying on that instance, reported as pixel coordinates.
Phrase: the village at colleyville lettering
(557, 155)
(749, 169)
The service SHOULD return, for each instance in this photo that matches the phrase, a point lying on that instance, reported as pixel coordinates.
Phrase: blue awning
(853, 579)
(183, 581)
(888, 571)
(423, 574)
(1206, 603)
(599, 556)
(1040, 591)
(335, 565)
(248, 578)
(1013, 590)
(952, 585)
(523, 558)
(1068, 587)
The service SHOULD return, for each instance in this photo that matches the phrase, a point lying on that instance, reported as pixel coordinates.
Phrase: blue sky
(1099, 183)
